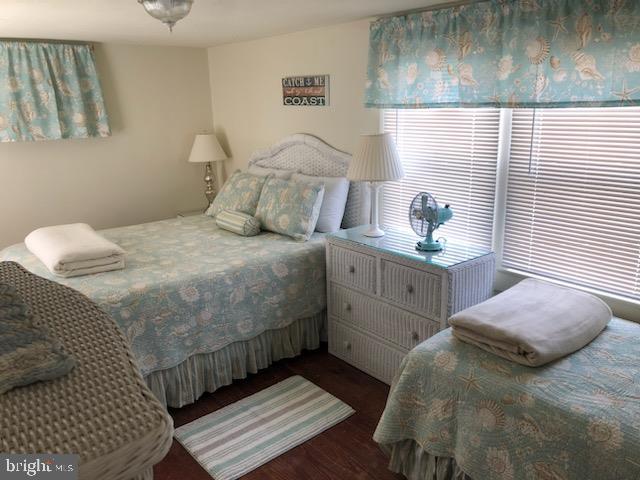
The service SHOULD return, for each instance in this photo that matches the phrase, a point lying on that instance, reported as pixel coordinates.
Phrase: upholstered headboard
(311, 156)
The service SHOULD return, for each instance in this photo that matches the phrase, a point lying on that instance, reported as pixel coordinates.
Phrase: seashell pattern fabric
(290, 208)
(240, 193)
(508, 53)
(49, 91)
(193, 288)
(28, 352)
(573, 419)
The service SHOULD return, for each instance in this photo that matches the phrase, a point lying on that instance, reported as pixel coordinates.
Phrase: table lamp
(207, 149)
(376, 160)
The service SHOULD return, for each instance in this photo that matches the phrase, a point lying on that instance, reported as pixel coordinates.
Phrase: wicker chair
(102, 410)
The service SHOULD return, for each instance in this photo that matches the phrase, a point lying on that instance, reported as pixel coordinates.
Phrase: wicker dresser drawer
(418, 290)
(364, 352)
(392, 324)
(357, 270)
(384, 297)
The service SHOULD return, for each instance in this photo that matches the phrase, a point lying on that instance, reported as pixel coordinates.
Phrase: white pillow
(336, 190)
(276, 172)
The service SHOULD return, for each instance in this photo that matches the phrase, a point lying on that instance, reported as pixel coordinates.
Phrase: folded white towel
(73, 250)
(533, 323)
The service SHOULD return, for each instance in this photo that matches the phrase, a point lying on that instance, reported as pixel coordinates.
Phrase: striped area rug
(240, 437)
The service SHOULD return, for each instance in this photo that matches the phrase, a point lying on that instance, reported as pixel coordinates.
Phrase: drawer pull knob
(347, 307)
(410, 288)
(415, 336)
(347, 345)
(352, 269)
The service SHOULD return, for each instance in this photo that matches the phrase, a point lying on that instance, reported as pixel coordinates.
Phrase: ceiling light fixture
(168, 12)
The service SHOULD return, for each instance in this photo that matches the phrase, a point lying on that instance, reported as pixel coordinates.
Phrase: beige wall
(247, 92)
(157, 99)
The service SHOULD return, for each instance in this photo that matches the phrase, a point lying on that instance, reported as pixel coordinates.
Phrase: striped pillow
(238, 222)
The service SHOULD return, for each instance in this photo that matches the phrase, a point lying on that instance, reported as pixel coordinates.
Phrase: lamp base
(373, 231)
(209, 182)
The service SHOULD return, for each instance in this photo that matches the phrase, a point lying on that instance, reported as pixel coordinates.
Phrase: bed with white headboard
(202, 306)
(309, 155)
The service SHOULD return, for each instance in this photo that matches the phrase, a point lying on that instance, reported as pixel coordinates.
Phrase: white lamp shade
(206, 148)
(376, 160)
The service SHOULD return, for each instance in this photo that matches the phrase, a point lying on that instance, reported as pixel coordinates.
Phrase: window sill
(622, 307)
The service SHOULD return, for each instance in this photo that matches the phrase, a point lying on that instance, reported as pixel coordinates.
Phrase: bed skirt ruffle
(409, 459)
(185, 383)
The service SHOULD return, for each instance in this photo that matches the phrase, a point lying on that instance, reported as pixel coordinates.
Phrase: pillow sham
(238, 222)
(276, 172)
(290, 208)
(336, 191)
(239, 193)
(27, 353)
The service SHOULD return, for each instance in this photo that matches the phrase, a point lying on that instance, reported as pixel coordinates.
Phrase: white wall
(247, 91)
(157, 99)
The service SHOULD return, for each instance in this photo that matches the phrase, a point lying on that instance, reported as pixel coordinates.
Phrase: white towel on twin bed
(74, 250)
(533, 323)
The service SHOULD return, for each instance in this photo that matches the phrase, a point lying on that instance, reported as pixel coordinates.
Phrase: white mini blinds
(569, 189)
(452, 154)
(573, 198)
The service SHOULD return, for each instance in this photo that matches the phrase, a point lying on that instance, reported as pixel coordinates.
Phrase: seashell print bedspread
(190, 287)
(574, 419)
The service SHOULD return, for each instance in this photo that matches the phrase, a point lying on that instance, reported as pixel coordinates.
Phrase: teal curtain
(49, 91)
(506, 53)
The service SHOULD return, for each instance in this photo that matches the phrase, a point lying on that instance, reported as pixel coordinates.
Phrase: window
(571, 199)
(452, 154)
(573, 205)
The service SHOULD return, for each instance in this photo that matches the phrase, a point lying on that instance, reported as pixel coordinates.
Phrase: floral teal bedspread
(190, 287)
(575, 419)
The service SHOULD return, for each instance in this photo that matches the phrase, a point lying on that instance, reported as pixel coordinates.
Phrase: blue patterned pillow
(290, 208)
(27, 353)
(239, 193)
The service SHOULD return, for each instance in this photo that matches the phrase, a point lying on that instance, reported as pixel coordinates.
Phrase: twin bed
(202, 306)
(456, 412)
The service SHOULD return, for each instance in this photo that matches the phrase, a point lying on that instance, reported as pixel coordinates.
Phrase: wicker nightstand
(385, 297)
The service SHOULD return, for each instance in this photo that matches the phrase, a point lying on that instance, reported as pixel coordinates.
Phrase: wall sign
(306, 91)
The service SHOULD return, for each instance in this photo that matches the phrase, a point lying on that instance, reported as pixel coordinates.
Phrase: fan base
(426, 246)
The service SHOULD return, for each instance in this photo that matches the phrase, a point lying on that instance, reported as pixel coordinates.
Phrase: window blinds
(452, 154)
(573, 210)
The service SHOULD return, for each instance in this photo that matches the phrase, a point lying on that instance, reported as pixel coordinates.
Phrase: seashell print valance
(508, 53)
(49, 91)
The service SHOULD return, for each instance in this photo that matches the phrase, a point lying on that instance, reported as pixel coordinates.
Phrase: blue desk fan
(425, 217)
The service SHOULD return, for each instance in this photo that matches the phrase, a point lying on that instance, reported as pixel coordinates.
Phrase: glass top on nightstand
(402, 243)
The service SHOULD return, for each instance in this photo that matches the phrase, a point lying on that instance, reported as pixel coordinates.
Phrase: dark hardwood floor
(345, 451)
